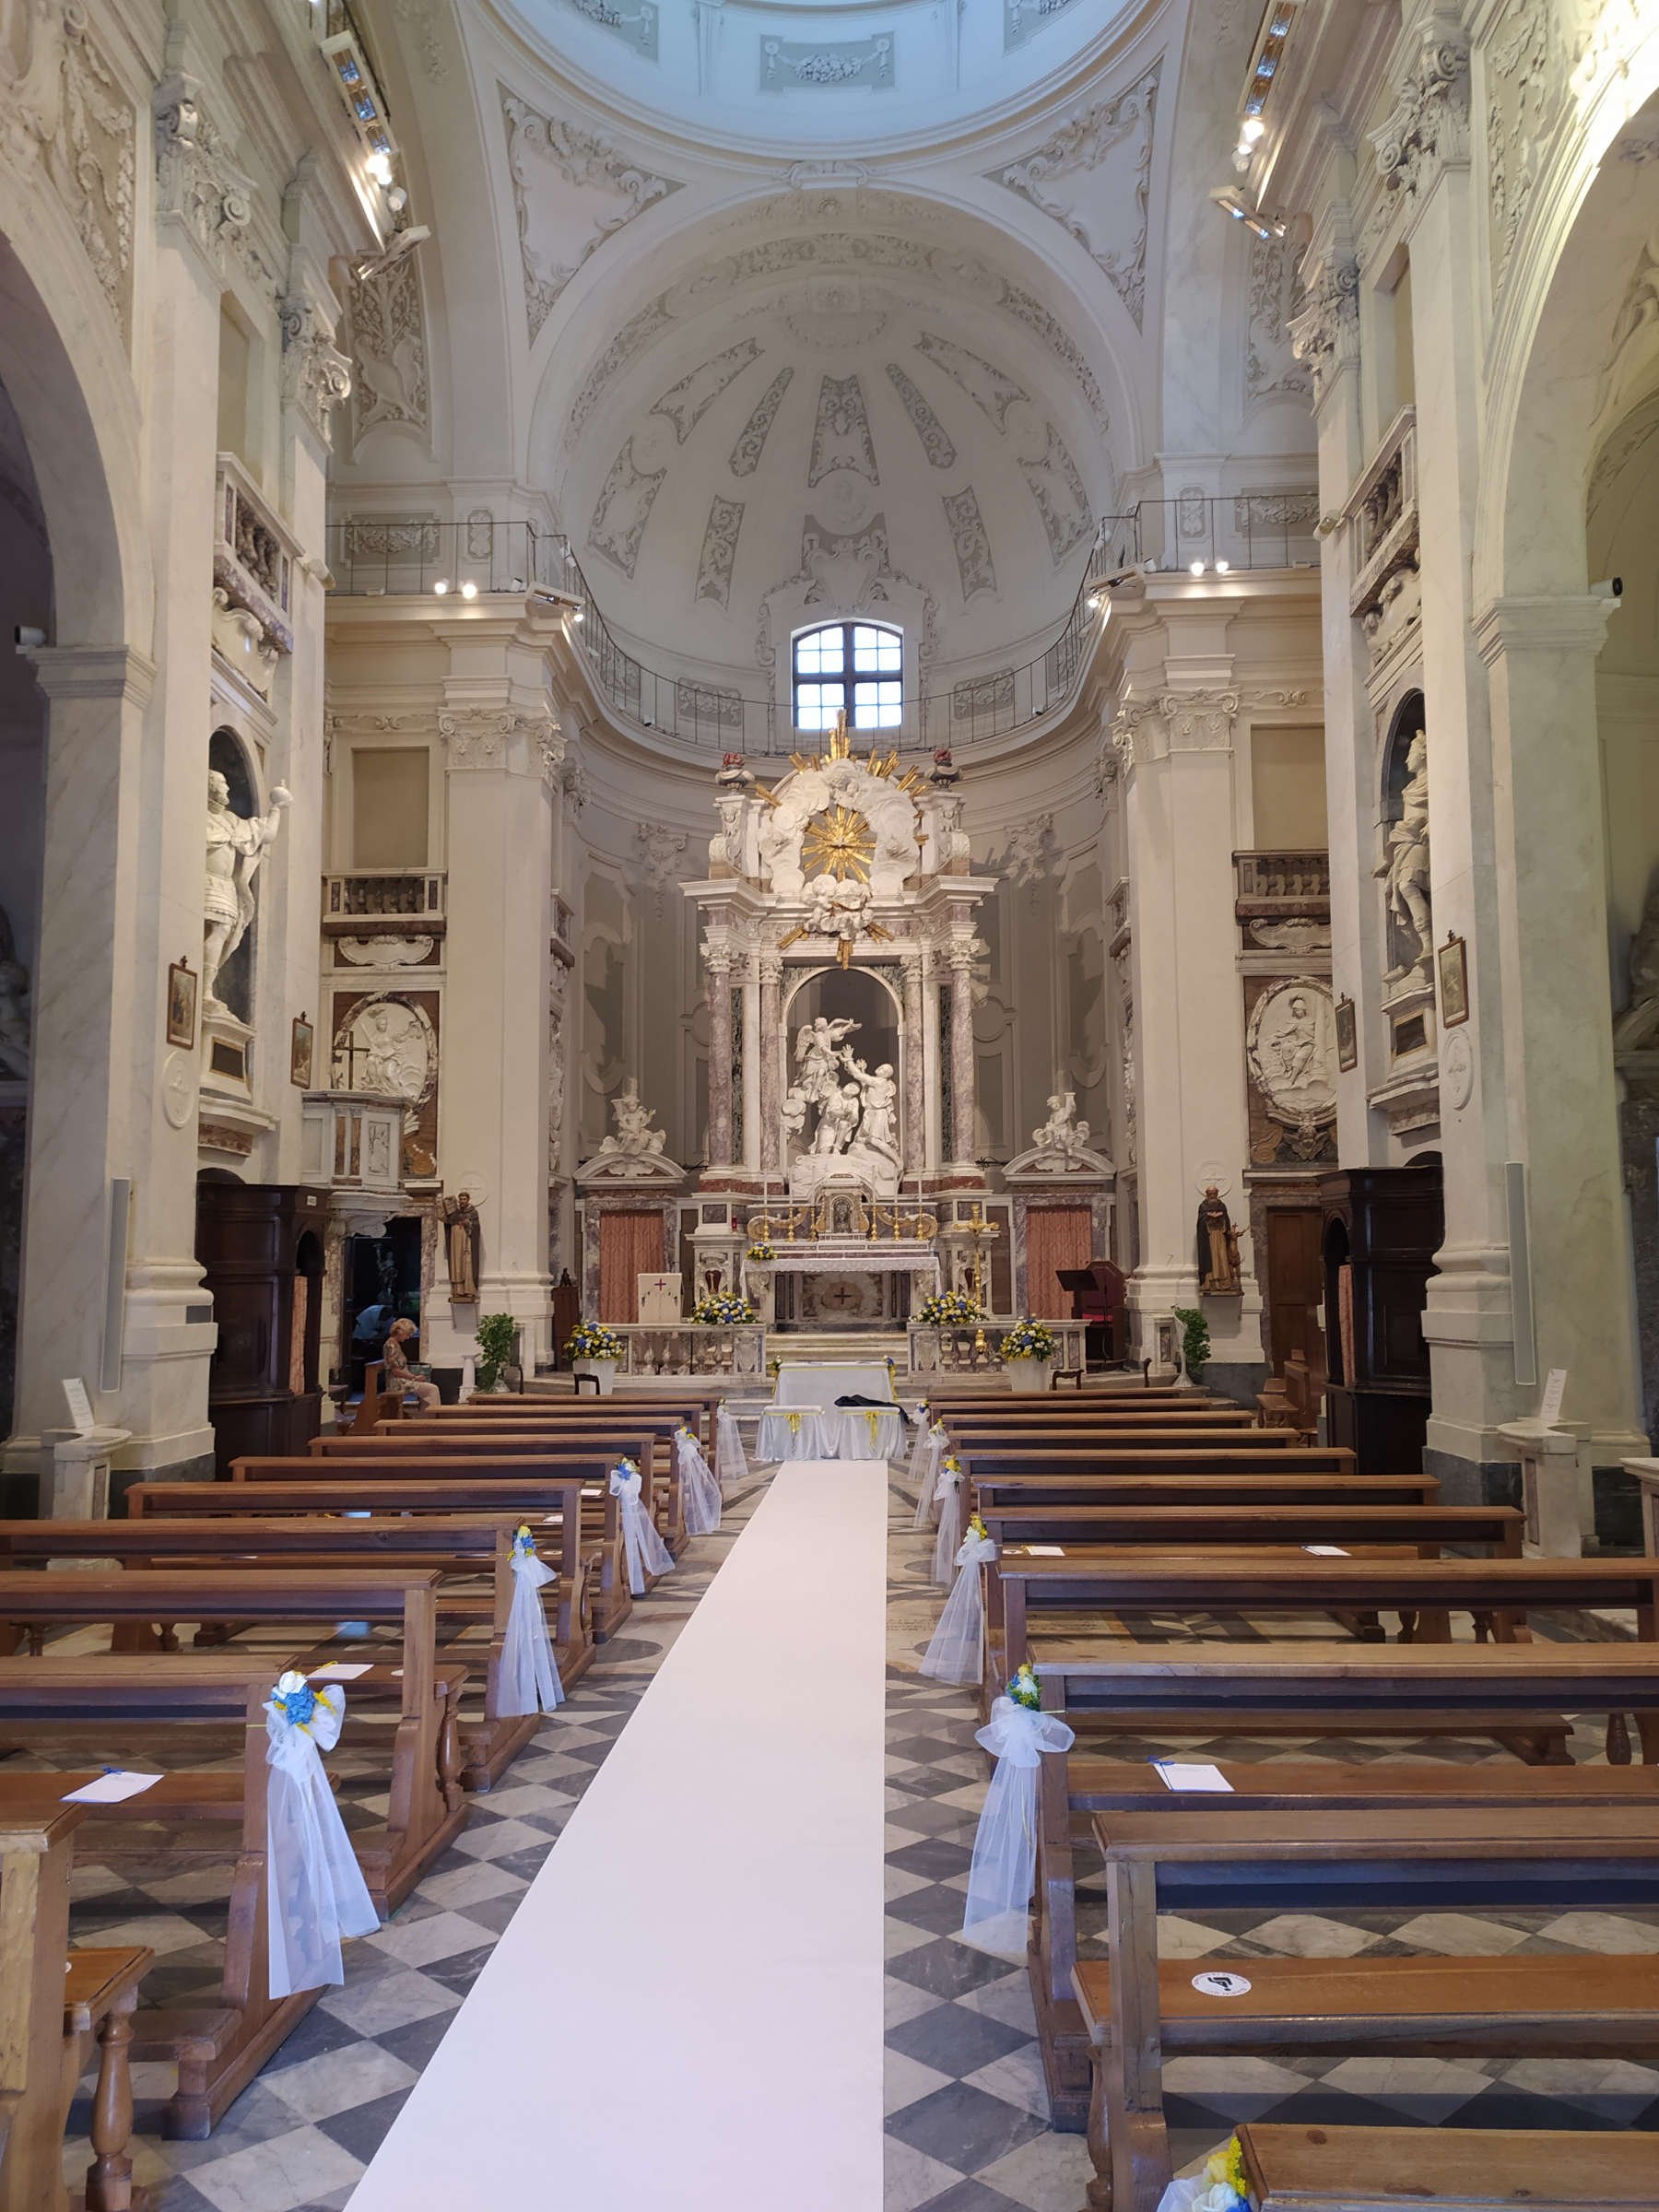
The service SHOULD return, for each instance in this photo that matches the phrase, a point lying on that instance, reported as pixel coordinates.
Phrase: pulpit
(1097, 1296)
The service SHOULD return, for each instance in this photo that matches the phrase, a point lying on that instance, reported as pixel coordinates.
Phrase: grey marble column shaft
(961, 1055)
(771, 977)
(915, 1108)
(720, 1063)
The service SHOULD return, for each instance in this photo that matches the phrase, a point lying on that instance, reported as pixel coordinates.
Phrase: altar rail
(689, 1347)
(978, 1350)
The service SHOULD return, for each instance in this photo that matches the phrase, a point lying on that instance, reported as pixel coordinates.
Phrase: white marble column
(504, 747)
(717, 967)
(772, 1046)
(915, 1110)
(1550, 953)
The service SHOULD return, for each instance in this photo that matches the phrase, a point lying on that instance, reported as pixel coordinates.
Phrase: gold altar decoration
(842, 842)
(813, 1223)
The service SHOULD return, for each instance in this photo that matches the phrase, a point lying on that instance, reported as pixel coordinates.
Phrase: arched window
(859, 666)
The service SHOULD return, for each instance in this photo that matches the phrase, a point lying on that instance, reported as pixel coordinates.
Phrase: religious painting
(302, 1051)
(181, 983)
(1347, 1042)
(1453, 982)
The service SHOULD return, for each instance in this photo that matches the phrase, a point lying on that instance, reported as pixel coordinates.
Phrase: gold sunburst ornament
(840, 843)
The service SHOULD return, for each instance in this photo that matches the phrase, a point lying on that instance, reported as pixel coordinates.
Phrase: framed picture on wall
(1347, 1042)
(301, 1047)
(1453, 982)
(181, 981)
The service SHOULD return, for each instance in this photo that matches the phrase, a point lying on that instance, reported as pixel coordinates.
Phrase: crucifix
(351, 1049)
(842, 1296)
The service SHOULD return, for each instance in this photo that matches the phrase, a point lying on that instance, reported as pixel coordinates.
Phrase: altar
(804, 1422)
(846, 1255)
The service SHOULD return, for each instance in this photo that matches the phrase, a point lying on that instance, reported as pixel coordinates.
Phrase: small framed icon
(1347, 1042)
(182, 981)
(302, 1051)
(1453, 982)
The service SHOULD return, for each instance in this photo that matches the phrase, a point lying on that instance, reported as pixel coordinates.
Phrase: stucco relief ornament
(1290, 1051)
(1326, 331)
(1060, 1145)
(1430, 126)
(316, 377)
(196, 181)
(633, 1151)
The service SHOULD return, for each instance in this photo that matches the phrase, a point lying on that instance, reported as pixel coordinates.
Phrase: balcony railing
(1269, 883)
(392, 555)
(384, 902)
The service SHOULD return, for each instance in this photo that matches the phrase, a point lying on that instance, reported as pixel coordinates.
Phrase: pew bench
(1073, 1788)
(175, 1706)
(1135, 2010)
(427, 1808)
(56, 2005)
(1023, 1493)
(1069, 1464)
(472, 1484)
(1300, 2169)
(1223, 1526)
(462, 1548)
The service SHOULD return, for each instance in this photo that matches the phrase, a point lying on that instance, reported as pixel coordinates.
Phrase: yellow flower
(1227, 2167)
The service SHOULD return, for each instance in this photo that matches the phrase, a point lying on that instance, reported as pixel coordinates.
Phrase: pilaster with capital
(772, 1045)
(915, 1111)
(717, 967)
(962, 1097)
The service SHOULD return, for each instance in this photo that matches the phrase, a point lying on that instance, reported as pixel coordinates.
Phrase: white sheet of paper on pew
(1184, 1774)
(1045, 1551)
(341, 1670)
(1326, 1551)
(112, 1788)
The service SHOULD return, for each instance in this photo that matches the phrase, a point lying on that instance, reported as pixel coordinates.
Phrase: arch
(64, 366)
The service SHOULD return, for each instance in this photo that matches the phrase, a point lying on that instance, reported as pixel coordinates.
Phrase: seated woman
(397, 1378)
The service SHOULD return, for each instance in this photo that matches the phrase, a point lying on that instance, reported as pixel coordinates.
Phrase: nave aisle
(685, 2009)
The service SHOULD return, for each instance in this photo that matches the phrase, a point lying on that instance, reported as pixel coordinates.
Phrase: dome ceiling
(847, 422)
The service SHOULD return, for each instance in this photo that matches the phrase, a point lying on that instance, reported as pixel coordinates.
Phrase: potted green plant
(1194, 1342)
(1027, 1353)
(497, 1348)
(592, 1349)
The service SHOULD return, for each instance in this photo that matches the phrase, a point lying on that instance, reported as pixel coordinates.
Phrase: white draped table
(804, 1422)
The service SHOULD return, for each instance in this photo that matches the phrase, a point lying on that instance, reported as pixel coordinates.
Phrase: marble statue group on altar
(855, 1109)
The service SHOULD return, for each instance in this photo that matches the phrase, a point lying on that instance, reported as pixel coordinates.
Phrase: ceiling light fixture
(1251, 129)
(380, 167)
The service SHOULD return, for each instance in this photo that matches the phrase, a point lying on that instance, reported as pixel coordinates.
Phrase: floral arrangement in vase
(949, 1310)
(722, 1309)
(592, 1340)
(760, 1253)
(1029, 1340)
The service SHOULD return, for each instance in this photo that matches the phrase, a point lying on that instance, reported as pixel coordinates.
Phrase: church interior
(828, 1105)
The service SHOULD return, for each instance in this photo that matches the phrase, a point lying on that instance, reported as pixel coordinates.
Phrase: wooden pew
(458, 1546)
(700, 1405)
(1073, 1788)
(53, 2002)
(1300, 2169)
(1062, 1465)
(995, 1494)
(177, 1706)
(428, 1807)
(649, 1446)
(1066, 1423)
(1135, 2012)
(1188, 1527)
(1507, 1588)
(471, 1482)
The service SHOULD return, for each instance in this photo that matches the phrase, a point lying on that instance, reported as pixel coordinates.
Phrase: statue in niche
(880, 1095)
(817, 1045)
(1406, 867)
(1217, 1245)
(235, 848)
(14, 1005)
(1634, 1030)
(838, 1120)
(463, 1243)
(633, 1132)
(1062, 1133)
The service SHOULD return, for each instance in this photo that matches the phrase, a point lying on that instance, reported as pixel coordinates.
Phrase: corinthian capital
(1430, 126)
(1326, 332)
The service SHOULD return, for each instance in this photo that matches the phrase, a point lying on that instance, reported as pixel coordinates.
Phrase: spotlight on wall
(442, 586)
(1251, 129)
(1093, 603)
(469, 590)
(1610, 593)
(380, 167)
(25, 640)
(579, 614)
(1194, 567)
(397, 199)
(1222, 567)
(1228, 199)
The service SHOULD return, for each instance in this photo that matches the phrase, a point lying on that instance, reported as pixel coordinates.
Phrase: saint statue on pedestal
(1217, 1245)
(462, 1239)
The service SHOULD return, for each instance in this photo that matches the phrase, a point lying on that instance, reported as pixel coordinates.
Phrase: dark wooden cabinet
(1380, 1230)
(260, 1246)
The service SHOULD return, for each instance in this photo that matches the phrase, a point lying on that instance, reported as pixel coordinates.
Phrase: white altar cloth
(794, 1432)
(821, 1382)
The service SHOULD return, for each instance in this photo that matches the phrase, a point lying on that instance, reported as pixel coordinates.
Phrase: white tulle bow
(646, 1552)
(949, 1489)
(700, 1493)
(1005, 1850)
(315, 1888)
(731, 1462)
(529, 1678)
(924, 1469)
(958, 1651)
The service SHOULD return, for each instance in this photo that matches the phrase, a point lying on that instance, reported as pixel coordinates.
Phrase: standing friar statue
(1218, 1245)
(236, 845)
(464, 1241)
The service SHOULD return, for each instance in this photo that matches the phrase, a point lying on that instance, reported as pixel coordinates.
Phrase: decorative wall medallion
(178, 1088)
(572, 190)
(990, 391)
(1290, 1051)
(384, 952)
(787, 65)
(983, 696)
(751, 442)
(840, 436)
(623, 509)
(384, 1044)
(969, 542)
(685, 404)
(719, 550)
(1457, 1070)
(1057, 487)
(1092, 173)
(936, 440)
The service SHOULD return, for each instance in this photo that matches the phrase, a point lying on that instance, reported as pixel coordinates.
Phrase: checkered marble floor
(967, 2116)
(300, 2136)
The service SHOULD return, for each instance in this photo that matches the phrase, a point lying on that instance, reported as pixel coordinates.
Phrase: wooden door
(1295, 1284)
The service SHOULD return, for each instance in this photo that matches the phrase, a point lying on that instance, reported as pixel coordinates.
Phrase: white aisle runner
(685, 2011)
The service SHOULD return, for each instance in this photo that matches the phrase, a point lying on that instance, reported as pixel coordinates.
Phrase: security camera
(1609, 592)
(25, 640)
